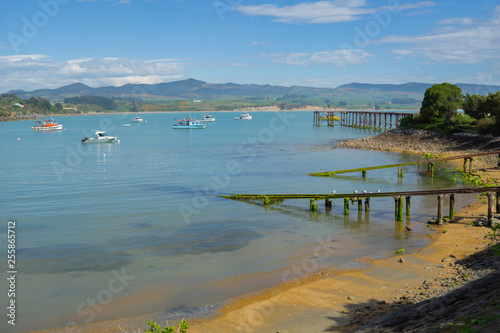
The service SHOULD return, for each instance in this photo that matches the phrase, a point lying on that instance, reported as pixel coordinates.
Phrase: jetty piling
(376, 120)
(490, 209)
(440, 209)
(408, 206)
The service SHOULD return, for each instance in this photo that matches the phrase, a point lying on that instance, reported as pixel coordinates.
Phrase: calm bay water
(115, 230)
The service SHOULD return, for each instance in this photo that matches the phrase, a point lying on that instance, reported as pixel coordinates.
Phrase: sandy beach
(346, 297)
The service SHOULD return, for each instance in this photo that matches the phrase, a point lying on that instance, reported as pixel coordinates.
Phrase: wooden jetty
(400, 198)
(430, 165)
(377, 120)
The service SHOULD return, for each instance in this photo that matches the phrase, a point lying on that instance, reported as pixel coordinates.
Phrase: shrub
(464, 119)
(484, 125)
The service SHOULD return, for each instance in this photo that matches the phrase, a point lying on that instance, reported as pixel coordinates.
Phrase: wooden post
(313, 205)
(470, 165)
(498, 165)
(267, 202)
(408, 206)
(396, 203)
(360, 205)
(490, 209)
(432, 169)
(465, 164)
(367, 205)
(440, 209)
(498, 202)
(400, 210)
(328, 204)
(363, 173)
(452, 206)
(346, 206)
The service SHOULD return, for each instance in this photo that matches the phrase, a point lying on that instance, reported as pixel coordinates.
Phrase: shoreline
(328, 300)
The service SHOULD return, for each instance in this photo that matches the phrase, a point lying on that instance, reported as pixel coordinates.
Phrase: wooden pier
(400, 198)
(379, 121)
(429, 162)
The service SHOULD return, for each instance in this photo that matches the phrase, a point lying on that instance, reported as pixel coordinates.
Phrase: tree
(493, 105)
(441, 101)
(475, 106)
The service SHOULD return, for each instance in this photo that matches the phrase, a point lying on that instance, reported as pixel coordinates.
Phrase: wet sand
(328, 300)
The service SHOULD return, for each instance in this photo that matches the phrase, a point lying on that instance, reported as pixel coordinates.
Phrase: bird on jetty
(333, 191)
(364, 191)
(378, 191)
(355, 191)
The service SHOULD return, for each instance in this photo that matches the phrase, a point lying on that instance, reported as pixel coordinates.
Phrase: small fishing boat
(244, 116)
(207, 118)
(188, 123)
(101, 137)
(47, 125)
(137, 120)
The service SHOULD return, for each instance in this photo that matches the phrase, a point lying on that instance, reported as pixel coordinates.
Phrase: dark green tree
(441, 101)
(475, 106)
(492, 105)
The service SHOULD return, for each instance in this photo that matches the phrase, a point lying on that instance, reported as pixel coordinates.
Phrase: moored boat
(137, 120)
(101, 137)
(46, 125)
(207, 118)
(188, 123)
(244, 116)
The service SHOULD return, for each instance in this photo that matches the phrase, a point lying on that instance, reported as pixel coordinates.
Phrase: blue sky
(51, 43)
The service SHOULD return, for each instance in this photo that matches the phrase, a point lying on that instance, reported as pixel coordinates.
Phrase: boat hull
(188, 126)
(94, 140)
(47, 128)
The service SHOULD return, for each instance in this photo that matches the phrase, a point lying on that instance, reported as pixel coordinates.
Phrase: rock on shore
(415, 140)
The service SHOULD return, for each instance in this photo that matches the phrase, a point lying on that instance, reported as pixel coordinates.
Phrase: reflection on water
(64, 258)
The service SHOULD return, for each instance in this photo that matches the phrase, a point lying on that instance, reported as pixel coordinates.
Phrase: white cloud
(323, 11)
(455, 44)
(457, 21)
(335, 58)
(39, 71)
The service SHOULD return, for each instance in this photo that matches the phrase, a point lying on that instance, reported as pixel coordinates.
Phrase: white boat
(47, 125)
(101, 137)
(244, 116)
(137, 120)
(188, 124)
(207, 118)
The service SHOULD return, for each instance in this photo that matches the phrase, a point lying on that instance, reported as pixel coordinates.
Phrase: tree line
(106, 103)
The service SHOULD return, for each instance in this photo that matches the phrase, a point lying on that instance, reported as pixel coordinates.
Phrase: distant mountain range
(196, 89)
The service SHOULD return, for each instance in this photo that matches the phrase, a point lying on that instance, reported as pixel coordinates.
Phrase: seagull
(333, 192)
(378, 191)
(355, 191)
(364, 191)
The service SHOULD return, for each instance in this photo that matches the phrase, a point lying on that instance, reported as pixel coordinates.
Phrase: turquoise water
(103, 228)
